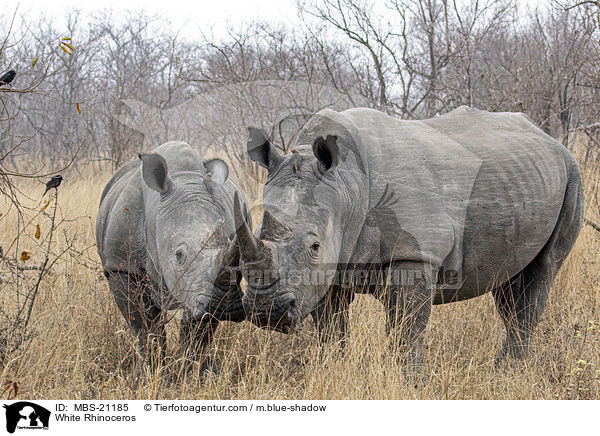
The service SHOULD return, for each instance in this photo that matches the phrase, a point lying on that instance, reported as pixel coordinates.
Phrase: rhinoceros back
(473, 191)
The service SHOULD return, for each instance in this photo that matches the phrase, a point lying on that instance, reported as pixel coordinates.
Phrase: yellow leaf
(38, 232)
(65, 49)
(45, 206)
(34, 62)
(79, 108)
(66, 38)
(25, 255)
(69, 45)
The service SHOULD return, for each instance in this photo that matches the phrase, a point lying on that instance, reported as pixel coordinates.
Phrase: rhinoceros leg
(522, 300)
(517, 305)
(331, 315)
(195, 335)
(408, 296)
(132, 296)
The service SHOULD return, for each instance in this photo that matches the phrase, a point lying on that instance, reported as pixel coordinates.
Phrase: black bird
(7, 77)
(54, 182)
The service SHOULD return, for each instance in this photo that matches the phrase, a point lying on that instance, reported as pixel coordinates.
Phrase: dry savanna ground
(79, 346)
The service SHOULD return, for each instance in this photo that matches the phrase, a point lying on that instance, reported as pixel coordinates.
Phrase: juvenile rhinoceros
(163, 235)
(422, 212)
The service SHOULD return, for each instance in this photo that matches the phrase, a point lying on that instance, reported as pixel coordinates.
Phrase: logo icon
(26, 415)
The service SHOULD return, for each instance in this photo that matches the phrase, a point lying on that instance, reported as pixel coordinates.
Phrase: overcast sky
(189, 16)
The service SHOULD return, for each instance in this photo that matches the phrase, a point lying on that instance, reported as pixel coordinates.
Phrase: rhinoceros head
(194, 252)
(308, 210)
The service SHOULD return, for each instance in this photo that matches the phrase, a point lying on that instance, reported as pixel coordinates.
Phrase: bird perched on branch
(54, 182)
(7, 77)
(296, 162)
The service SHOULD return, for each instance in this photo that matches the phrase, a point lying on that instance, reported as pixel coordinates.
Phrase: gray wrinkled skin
(163, 234)
(466, 203)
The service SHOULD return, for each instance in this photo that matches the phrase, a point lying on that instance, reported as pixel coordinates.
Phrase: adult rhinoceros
(444, 209)
(163, 237)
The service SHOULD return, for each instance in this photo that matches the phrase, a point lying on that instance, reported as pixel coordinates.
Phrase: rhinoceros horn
(231, 254)
(251, 248)
(230, 260)
(256, 256)
(274, 230)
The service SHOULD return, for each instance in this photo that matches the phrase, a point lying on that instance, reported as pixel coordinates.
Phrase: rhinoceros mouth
(281, 325)
(269, 316)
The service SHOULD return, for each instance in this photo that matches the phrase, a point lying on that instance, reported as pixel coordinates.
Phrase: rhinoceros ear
(217, 172)
(218, 169)
(156, 173)
(261, 150)
(326, 152)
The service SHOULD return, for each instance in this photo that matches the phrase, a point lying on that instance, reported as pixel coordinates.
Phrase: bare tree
(20, 127)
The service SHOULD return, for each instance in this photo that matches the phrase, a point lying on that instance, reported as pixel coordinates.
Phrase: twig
(29, 267)
(34, 291)
(591, 224)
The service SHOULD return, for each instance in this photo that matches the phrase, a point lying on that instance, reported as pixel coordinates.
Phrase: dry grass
(81, 347)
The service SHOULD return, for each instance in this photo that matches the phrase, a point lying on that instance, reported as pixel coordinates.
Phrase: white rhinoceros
(164, 235)
(424, 212)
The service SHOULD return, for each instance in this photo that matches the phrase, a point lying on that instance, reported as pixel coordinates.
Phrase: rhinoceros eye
(315, 247)
(179, 256)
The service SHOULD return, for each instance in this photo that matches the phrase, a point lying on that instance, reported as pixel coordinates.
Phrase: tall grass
(81, 347)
